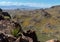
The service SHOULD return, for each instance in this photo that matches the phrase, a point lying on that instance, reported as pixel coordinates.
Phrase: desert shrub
(15, 32)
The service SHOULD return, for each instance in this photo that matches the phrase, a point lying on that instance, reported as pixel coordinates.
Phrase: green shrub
(15, 32)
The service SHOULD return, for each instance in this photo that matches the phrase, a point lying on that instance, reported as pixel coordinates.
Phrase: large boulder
(31, 34)
(6, 15)
(3, 38)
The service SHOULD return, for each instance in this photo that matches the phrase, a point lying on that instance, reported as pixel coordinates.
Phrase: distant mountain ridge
(25, 7)
(20, 7)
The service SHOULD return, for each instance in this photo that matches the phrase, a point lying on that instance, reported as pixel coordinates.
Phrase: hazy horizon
(30, 3)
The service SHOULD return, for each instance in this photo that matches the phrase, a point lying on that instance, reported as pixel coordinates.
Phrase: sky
(32, 3)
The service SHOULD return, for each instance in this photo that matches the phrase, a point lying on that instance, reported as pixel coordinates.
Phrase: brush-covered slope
(45, 21)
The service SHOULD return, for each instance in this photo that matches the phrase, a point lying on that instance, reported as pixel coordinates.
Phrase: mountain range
(20, 7)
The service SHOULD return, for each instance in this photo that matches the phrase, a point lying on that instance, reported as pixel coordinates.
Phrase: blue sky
(32, 3)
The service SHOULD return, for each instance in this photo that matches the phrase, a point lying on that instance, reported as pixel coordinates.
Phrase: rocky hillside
(46, 22)
(11, 30)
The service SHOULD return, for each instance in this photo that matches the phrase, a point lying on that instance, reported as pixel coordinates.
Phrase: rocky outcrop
(7, 25)
(10, 38)
(4, 15)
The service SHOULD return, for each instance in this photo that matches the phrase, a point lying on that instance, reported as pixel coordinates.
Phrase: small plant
(15, 32)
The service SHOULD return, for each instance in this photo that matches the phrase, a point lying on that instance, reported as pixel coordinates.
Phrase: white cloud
(4, 3)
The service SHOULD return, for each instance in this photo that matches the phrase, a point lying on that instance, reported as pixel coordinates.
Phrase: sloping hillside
(45, 21)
